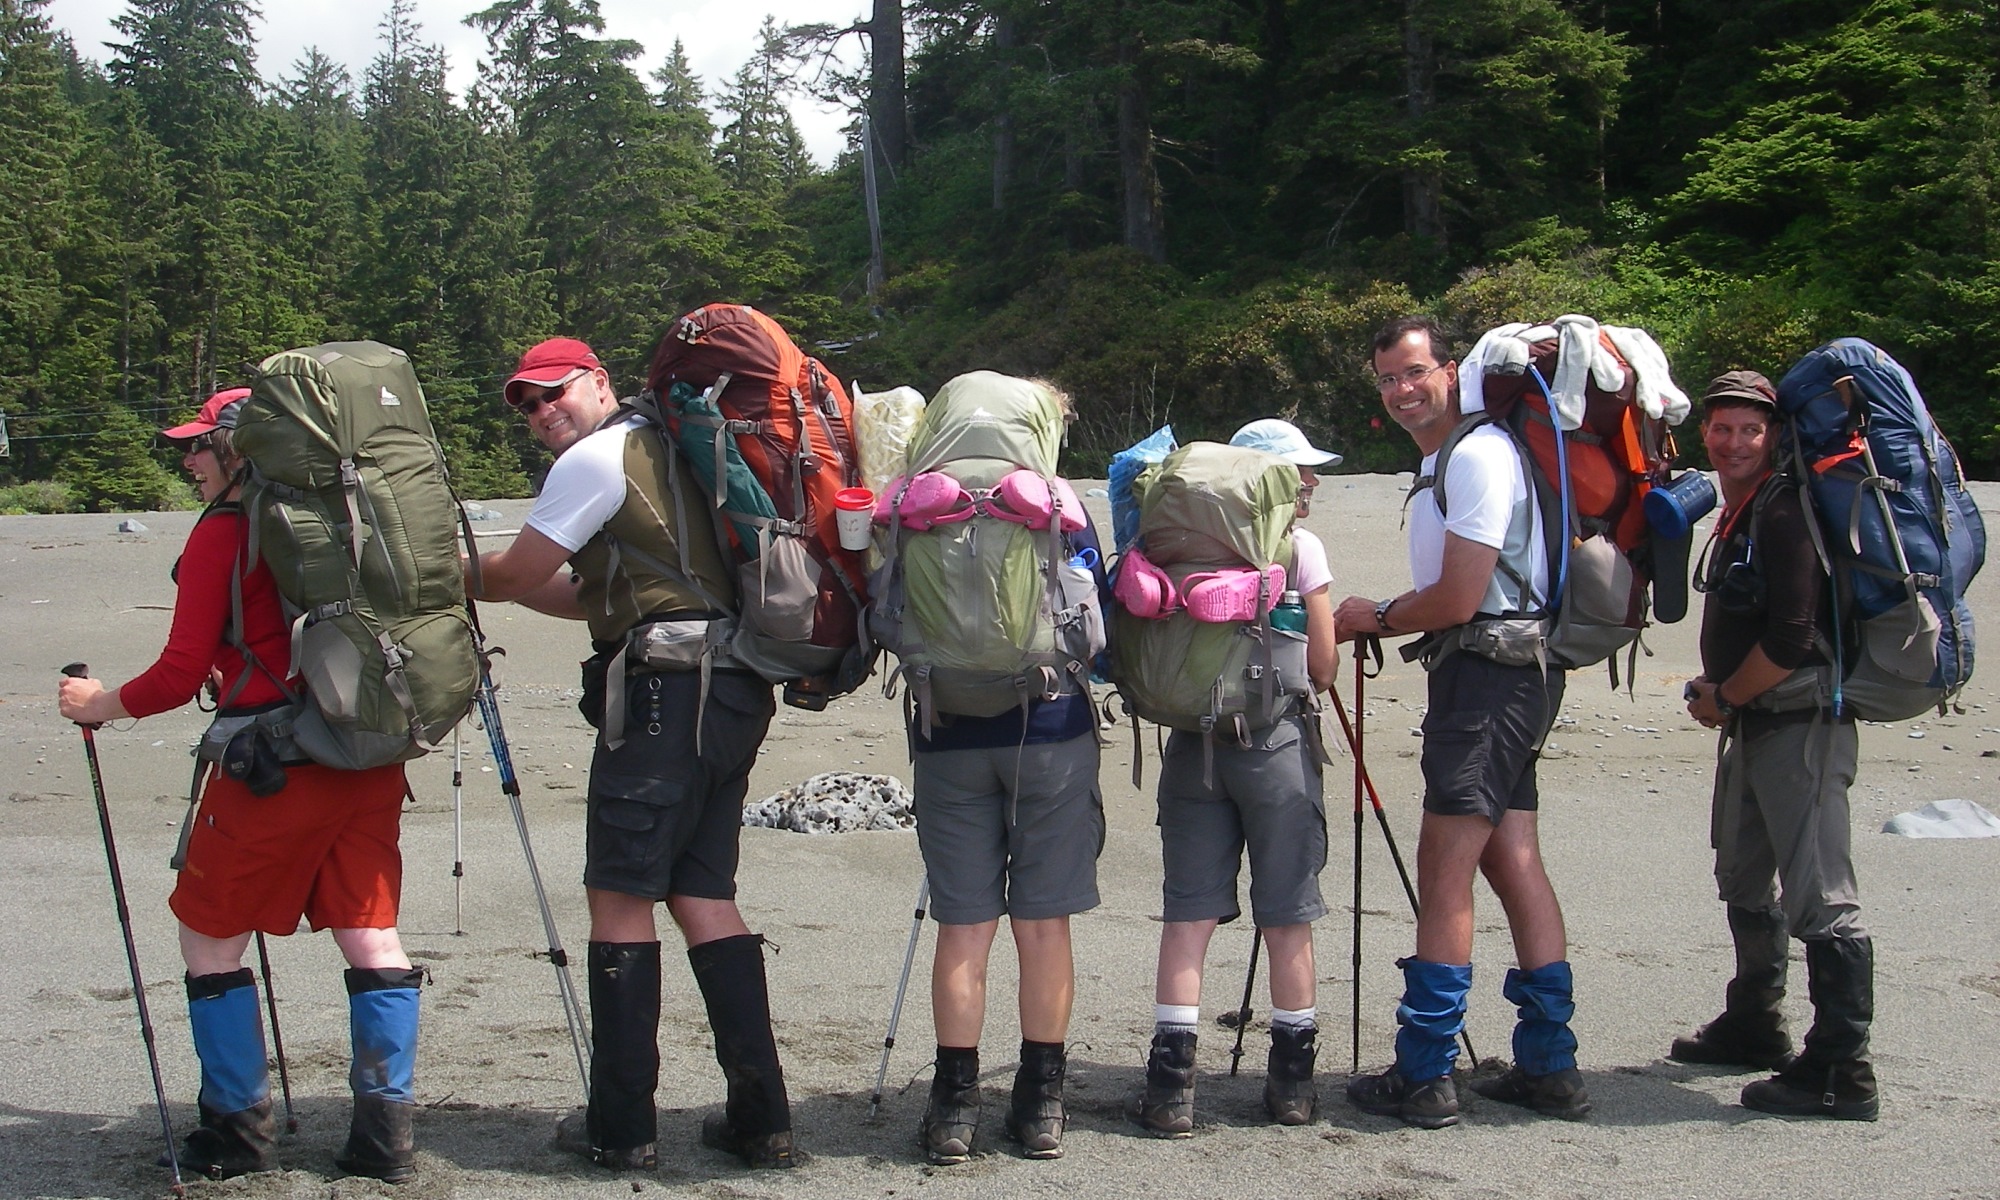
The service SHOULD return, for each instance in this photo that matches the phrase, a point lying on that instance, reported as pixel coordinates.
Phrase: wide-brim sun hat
(219, 412)
(1285, 440)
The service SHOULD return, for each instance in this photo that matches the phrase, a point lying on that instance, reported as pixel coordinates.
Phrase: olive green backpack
(350, 505)
(982, 614)
(1210, 507)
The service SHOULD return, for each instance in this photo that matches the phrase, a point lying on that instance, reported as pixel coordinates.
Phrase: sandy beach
(1625, 791)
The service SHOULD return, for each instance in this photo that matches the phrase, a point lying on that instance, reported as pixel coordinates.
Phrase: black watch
(1382, 615)
(1722, 705)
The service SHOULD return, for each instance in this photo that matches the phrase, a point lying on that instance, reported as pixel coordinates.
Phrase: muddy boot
(1832, 1076)
(382, 1015)
(1165, 1107)
(756, 1121)
(951, 1121)
(1289, 1094)
(237, 1135)
(1751, 1030)
(1035, 1118)
(620, 1126)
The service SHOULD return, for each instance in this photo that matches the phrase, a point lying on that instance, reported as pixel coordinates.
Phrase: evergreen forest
(1192, 211)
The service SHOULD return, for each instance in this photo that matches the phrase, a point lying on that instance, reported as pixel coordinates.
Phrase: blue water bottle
(1290, 615)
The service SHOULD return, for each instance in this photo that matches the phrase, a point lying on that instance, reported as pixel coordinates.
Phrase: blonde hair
(1062, 398)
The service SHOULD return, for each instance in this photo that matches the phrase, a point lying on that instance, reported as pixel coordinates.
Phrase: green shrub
(41, 496)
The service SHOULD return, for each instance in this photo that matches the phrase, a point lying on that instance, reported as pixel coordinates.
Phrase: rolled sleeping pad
(1672, 511)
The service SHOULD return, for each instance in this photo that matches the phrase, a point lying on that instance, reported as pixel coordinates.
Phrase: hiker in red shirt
(277, 838)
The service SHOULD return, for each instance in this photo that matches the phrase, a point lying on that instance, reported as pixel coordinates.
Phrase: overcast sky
(718, 34)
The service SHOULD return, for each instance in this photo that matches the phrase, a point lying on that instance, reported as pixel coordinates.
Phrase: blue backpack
(1900, 538)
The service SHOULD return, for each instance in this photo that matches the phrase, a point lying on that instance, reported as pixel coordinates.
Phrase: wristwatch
(1382, 615)
(1722, 705)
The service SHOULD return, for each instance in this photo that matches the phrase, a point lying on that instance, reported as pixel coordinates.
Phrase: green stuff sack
(984, 614)
(350, 505)
(1211, 507)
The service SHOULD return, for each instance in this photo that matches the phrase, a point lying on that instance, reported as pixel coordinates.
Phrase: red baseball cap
(218, 413)
(551, 364)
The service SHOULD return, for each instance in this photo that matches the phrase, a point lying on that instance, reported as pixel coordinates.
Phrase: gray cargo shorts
(1012, 830)
(1268, 798)
(661, 819)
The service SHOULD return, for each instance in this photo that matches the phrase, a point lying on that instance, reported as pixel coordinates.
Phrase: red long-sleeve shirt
(199, 640)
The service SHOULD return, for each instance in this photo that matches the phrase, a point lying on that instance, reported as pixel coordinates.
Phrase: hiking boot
(1557, 1094)
(1832, 1076)
(756, 1121)
(1289, 1094)
(380, 1142)
(1750, 1032)
(1843, 1091)
(1035, 1116)
(1424, 1103)
(952, 1120)
(1730, 1041)
(1165, 1107)
(573, 1135)
(759, 1151)
(226, 1145)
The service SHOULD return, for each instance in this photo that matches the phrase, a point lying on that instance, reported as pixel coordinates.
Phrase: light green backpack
(350, 505)
(1211, 507)
(984, 614)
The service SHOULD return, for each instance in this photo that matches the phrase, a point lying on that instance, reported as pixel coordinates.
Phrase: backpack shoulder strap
(1435, 480)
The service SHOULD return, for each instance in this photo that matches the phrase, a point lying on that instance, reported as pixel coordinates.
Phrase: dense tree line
(1186, 210)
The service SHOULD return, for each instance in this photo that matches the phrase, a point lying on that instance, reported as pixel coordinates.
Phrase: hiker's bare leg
(703, 920)
(206, 955)
(1048, 977)
(1183, 948)
(1512, 863)
(958, 981)
(1289, 951)
(1448, 854)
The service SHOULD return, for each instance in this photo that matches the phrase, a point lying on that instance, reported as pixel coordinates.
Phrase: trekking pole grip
(77, 670)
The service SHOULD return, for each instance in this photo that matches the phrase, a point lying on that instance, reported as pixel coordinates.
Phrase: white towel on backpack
(1654, 390)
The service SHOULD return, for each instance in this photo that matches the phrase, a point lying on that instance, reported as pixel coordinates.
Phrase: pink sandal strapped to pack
(923, 501)
(1234, 594)
(1144, 589)
(1026, 498)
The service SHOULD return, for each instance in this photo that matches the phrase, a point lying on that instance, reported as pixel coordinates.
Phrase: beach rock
(836, 802)
(130, 525)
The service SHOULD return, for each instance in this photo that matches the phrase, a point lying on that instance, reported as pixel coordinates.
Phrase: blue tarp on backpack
(1903, 535)
(1125, 467)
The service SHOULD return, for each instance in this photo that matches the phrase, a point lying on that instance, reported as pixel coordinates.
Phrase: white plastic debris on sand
(1945, 819)
(836, 802)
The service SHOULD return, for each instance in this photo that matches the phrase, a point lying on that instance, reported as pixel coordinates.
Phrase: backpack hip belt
(656, 647)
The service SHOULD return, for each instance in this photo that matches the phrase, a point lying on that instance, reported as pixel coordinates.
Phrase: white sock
(1294, 1017)
(1176, 1016)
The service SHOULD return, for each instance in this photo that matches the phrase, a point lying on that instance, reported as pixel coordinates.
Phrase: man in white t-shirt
(1476, 557)
(664, 809)
(1266, 798)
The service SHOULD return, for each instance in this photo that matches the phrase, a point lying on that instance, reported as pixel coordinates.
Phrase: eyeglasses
(201, 442)
(529, 406)
(1414, 377)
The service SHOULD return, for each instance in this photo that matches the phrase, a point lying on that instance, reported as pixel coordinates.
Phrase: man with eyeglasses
(665, 802)
(1483, 731)
(1779, 821)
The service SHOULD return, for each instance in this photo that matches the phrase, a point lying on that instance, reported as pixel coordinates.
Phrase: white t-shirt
(1490, 504)
(1310, 572)
(585, 488)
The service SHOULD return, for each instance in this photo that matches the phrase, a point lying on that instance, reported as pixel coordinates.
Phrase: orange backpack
(792, 425)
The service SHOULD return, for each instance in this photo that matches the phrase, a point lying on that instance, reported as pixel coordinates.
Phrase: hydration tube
(1567, 499)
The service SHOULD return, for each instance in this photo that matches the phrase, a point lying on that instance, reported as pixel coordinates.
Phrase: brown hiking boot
(951, 1121)
(1035, 1116)
(573, 1135)
(1557, 1094)
(1424, 1103)
(1165, 1106)
(1289, 1094)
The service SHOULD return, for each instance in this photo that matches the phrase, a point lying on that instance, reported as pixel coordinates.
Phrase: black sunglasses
(533, 404)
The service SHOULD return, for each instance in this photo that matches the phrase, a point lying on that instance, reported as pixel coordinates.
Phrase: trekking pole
(1382, 819)
(1243, 1012)
(457, 831)
(77, 670)
(277, 1038)
(503, 761)
(902, 985)
(1360, 677)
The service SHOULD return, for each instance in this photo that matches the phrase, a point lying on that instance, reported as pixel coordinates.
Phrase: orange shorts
(323, 848)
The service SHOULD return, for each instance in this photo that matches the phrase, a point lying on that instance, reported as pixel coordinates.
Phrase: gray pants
(1779, 822)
